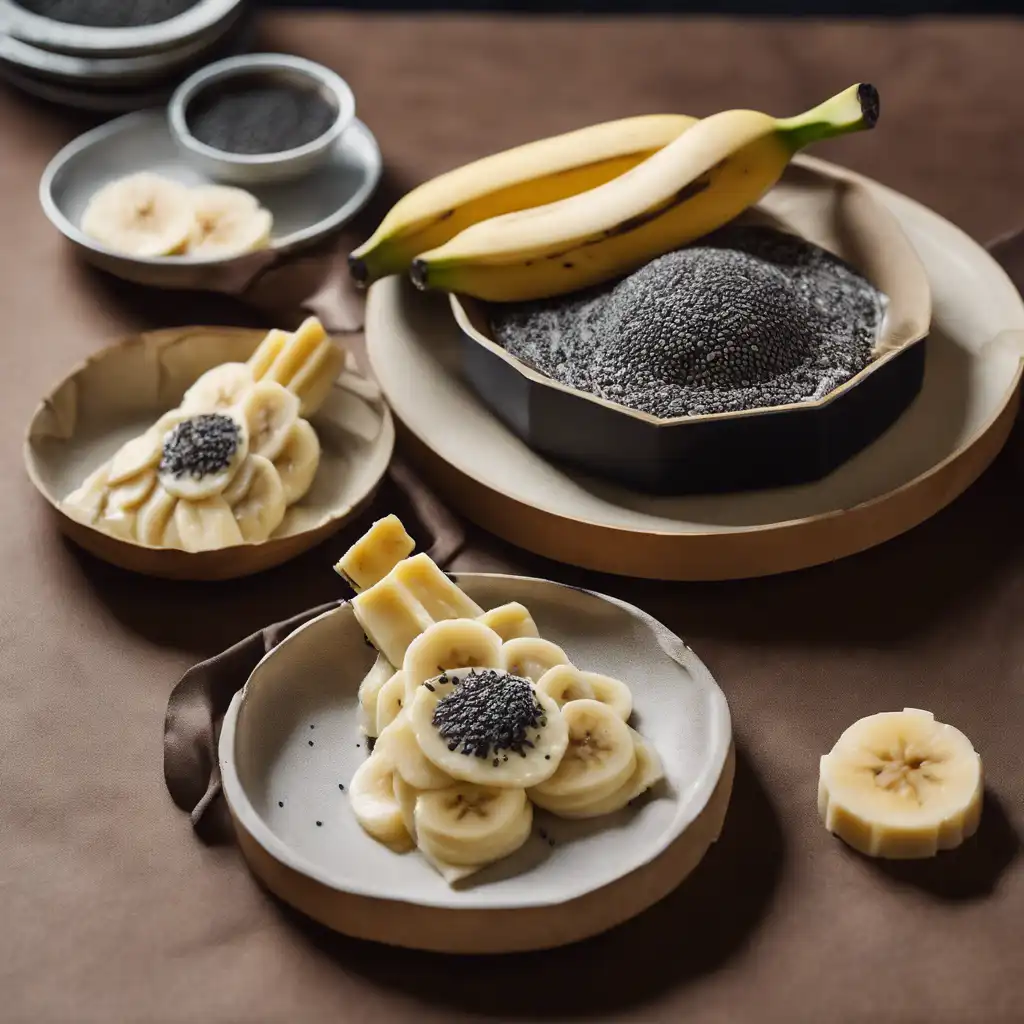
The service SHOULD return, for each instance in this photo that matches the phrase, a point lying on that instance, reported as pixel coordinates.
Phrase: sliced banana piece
(298, 460)
(372, 798)
(218, 389)
(390, 701)
(314, 381)
(468, 825)
(376, 553)
(260, 510)
(612, 692)
(227, 222)
(202, 454)
(531, 657)
(266, 352)
(391, 618)
(143, 452)
(206, 525)
(406, 796)
(599, 759)
(398, 743)
(900, 785)
(269, 411)
(441, 597)
(510, 621)
(297, 349)
(142, 214)
(89, 498)
(119, 522)
(489, 727)
(129, 495)
(564, 683)
(154, 518)
(369, 691)
(453, 643)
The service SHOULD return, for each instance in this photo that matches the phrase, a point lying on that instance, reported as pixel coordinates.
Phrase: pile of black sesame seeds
(108, 13)
(747, 318)
(489, 714)
(200, 445)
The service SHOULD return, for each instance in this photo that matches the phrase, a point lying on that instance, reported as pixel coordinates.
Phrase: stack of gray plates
(114, 55)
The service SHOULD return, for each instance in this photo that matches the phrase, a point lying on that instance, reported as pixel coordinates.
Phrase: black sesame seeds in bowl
(765, 355)
(260, 118)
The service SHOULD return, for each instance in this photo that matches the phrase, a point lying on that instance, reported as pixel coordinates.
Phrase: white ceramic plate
(936, 449)
(291, 738)
(305, 210)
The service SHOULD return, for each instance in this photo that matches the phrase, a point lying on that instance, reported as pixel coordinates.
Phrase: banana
(564, 683)
(438, 595)
(315, 378)
(155, 517)
(406, 795)
(369, 691)
(695, 184)
(510, 621)
(142, 452)
(376, 553)
(517, 179)
(469, 826)
(141, 215)
(227, 222)
(449, 644)
(266, 352)
(218, 389)
(901, 785)
(88, 499)
(206, 524)
(192, 444)
(118, 522)
(613, 692)
(531, 657)
(296, 351)
(260, 507)
(390, 700)
(489, 728)
(132, 493)
(372, 799)
(599, 759)
(398, 743)
(269, 411)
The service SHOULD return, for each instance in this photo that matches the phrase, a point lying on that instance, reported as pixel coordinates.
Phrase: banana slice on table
(206, 524)
(202, 454)
(599, 759)
(218, 389)
(372, 798)
(489, 727)
(390, 701)
(298, 461)
(613, 692)
(531, 657)
(369, 691)
(510, 621)
(398, 743)
(140, 215)
(900, 785)
(438, 595)
(376, 553)
(296, 351)
(227, 222)
(154, 518)
(564, 683)
(260, 508)
(450, 644)
(269, 411)
(469, 826)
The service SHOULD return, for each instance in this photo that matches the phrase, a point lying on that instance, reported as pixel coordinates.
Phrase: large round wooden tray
(948, 436)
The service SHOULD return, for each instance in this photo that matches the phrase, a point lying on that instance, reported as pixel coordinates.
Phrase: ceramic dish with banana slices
(544, 763)
(209, 453)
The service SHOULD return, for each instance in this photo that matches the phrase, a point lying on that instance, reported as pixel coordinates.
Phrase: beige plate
(599, 873)
(936, 449)
(118, 392)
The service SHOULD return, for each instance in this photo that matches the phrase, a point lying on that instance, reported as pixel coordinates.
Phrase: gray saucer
(305, 210)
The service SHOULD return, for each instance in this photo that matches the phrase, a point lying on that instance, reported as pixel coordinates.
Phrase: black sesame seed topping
(311, 743)
(488, 712)
(341, 786)
(280, 803)
(430, 687)
(319, 824)
(200, 445)
(312, 726)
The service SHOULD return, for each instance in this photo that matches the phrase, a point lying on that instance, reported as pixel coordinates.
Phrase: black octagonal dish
(735, 451)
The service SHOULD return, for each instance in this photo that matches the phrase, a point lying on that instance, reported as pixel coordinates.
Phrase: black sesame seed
(319, 824)
(200, 446)
(358, 745)
(280, 803)
(430, 687)
(311, 743)
(341, 786)
(312, 727)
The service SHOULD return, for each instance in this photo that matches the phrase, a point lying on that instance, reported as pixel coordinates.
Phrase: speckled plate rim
(699, 792)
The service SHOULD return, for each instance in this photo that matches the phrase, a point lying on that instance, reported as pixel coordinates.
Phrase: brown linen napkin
(202, 695)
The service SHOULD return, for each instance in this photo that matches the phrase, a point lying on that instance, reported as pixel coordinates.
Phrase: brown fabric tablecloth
(111, 909)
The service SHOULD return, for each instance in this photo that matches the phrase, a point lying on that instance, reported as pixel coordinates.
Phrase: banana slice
(297, 349)
(900, 785)
(398, 743)
(132, 493)
(372, 798)
(140, 215)
(599, 759)
(612, 692)
(316, 376)
(391, 618)
(406, 795)
(202, 454)
(227, 222)
(489, 727)
(376, 553)
(89, 498)
(469, 826)
(564, 683)
(531, 657)
(118, 522)
(218, 389)
(269, 411)
(510, 621)
(142, 452)
(154, 518)
(298, 461)
(260, 510)
(453, 643)
(206, 525)
(266, 352)
(439, 596)
(647, 773)
(369, 691)
(390, 701)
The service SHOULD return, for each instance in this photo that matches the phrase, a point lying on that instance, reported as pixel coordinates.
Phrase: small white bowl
(261, 168)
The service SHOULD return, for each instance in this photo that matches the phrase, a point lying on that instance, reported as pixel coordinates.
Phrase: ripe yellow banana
(530, 175)
(705, 178)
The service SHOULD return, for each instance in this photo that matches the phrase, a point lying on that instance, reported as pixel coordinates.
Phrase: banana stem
(853, 110)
